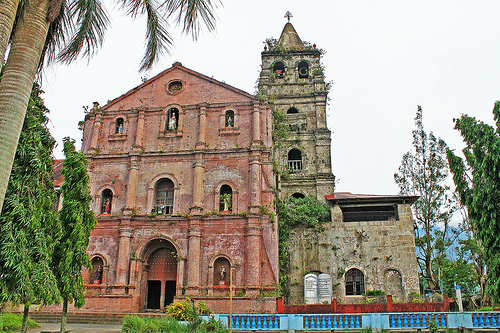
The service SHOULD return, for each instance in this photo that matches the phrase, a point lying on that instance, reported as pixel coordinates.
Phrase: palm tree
(64, 29)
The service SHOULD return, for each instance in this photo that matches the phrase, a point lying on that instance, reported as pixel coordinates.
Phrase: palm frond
(91, 22)
(157, 36)
(189, 12)
(55, 37)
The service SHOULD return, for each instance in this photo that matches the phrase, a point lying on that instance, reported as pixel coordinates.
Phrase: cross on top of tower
(288, 15)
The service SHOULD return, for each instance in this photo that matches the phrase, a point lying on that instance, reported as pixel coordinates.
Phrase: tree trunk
(17, 82)
(24, 327)
(64, 316)
(8, 9)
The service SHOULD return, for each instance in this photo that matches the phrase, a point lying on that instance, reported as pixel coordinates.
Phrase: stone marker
(311, 289)
(324, 288)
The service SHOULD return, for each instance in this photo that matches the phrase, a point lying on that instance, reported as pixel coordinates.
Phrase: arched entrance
(161, 275)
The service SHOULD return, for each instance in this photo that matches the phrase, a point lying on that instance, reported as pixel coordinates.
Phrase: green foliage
(432, 327)
(293, 213)
(10, 322)
(477, 180)
(374, 293)
(77, 221)
(135, 324)
(29, 228)
(423, 173)
(185, 310)
(281, 130)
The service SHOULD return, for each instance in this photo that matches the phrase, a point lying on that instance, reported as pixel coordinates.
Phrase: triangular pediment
(178, 85)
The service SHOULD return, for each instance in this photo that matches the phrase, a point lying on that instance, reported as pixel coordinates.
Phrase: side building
(182, 178)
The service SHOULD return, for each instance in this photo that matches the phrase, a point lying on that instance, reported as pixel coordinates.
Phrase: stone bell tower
(292, 79)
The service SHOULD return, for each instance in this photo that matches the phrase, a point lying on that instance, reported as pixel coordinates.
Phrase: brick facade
(162, 159)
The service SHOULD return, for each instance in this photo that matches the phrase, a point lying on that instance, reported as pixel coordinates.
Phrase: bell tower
(292, 79)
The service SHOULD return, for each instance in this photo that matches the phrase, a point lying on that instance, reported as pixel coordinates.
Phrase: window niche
(96, 275)
(106, 201)
(226, 199)
(279, 70)
(354, 282)
(222, 268)
(119, 126)
(164, 197)
(298, 195)
(229, 118)
(117, 129)
(292, 110)
(303, 69)
(294, 160)
(172, 120)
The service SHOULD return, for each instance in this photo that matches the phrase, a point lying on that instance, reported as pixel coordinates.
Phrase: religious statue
(222, 274)
(172, 122)
(98, 275)
(107, 206)
(120, 128)
(229, 120)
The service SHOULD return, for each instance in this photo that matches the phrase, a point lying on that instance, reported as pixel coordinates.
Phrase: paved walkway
(77, 328)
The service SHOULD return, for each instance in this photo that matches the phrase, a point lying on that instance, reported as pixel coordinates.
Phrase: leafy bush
(186, 310)
(10, 322)
(135, 324)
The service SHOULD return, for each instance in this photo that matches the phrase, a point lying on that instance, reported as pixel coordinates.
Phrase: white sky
(384, 57)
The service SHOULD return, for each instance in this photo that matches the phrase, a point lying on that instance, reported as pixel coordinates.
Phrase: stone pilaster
(123, 260)
(139, 133)
(194, 255)
(132, 184)
(253, 237)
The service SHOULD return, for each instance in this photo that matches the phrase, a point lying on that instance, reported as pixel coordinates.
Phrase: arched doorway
(161, 275)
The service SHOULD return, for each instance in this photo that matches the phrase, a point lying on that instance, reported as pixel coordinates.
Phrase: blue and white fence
(357, 321)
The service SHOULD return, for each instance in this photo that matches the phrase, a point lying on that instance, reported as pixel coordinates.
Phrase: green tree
(423, 173)
(77, 221)
(29, 228)
(293, 213)
(72, 27)
(477, 181)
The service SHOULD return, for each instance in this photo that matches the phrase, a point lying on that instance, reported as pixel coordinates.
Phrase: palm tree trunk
(8, 9)
(17, 81)
(64, 316)
(24, 327)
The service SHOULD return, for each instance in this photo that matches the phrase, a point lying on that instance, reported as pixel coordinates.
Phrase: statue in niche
(172, 122)
(222, 275)
(98, 275)
(107, 207)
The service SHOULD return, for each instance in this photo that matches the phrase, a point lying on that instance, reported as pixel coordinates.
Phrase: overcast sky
(383, 57)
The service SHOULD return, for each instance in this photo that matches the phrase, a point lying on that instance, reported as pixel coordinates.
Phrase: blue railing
(357, 321)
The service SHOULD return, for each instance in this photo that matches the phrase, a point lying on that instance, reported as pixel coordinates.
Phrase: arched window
(225, 198)
(354, 282)
(172, 119)
(221, 272)
(298, 195)
(119, 126)
(303, 69)
(292, 110)
(106, 201)
(294, 160)
(97, 270)
(164, 197)
(279, 69)
(229, 122)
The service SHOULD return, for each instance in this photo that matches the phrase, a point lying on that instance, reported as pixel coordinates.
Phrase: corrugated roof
(348, 197)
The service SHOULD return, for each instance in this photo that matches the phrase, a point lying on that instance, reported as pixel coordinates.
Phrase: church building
(184, 173)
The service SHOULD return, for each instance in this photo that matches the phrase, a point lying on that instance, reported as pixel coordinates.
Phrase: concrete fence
(376, 321)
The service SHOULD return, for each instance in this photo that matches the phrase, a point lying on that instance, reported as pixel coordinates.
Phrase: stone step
(85, 317)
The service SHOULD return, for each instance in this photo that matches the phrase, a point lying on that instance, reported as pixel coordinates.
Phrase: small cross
(288, 15)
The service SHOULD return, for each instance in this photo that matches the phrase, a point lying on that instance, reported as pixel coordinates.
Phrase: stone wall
(383, 250)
